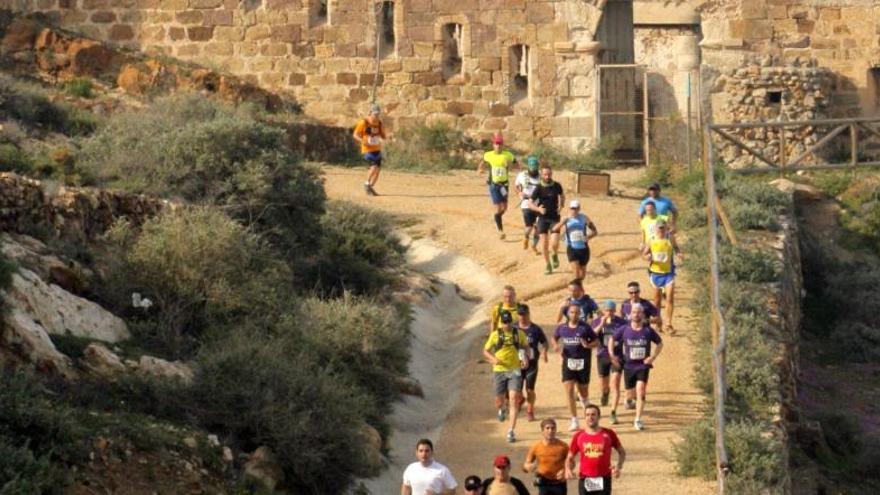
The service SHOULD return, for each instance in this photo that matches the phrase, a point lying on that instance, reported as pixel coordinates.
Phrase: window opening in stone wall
(320, 12)
(452, 34)
(874, 85)
(774, 97)
(519, 73)
(385, 25)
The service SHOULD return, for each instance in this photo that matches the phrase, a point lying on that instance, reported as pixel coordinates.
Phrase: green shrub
(833, 183)
(80, 87)
(600, 157)
(202, 270)
(427, 148)
(13, 159)
(206, 152)
(29, 104)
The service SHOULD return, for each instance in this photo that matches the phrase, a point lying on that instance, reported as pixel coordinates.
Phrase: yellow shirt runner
(648, 224)
(661, 256)
(508, 353)
(500, 164)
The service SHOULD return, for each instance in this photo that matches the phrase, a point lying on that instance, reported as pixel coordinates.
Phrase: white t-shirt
(435, 477)
(527, 183)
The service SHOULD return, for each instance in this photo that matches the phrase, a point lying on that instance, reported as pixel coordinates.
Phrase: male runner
(427, 476)
(578, 298)
(525, 183)
(578, 230)
(594, 445)
(661, 253)
(605, 327)
(546, 458)
(473, 485)
(536, 340)
(501, 483)
(500, 162)
(664, 205)
(635, 291)
(577, 340)
(636, 339)
(505, 350)
(648, 223)
(547, 200)
(508, 303)
(369, 133)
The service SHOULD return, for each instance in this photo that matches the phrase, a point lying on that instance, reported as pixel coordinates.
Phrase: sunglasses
(634, 291)
(549, 427)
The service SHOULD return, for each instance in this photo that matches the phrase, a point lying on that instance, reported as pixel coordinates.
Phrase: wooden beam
(822, 142)
(757, 154)
(725, 221)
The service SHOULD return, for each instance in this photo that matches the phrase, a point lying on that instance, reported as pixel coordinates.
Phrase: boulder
(23, 340)
(372, 448)
(160, 368)
(800, 191)
(20, 36)
(102, 361)
(61, 313)
(35, 256)
(262, 468)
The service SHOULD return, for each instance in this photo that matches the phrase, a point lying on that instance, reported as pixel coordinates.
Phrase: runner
(501, 483)
(634, 291)
(525, 183)
(505, 350)
(648, 223)
(500, 161)
(473, 485)
(594, 444)
(661, 253)
(536, 339)
(579, 298)
(369, 133)
(427, 476)
(546, 458)
(547, 200)
(578, 230)
(664, 205)
(636, 339)
(605, 327)
(577, 339)
(508, 303)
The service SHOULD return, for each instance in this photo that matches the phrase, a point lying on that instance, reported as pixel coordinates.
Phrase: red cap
(497, 139)
(502, 461)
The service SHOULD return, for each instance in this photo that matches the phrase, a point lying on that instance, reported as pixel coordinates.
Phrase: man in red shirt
(594, 445)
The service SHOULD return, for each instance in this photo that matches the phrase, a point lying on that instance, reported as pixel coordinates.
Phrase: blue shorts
(374, 158)
(661, 280)
(498, 193)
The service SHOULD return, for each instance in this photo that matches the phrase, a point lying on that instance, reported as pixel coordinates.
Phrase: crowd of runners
(625, 337)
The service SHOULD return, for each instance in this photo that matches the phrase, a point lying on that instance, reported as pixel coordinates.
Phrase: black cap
(506, 317)
(472, 482)
(655, 185)
(522, 309)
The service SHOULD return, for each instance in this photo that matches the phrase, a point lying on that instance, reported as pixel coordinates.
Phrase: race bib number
(524, 354)
(594, 484)
(606, 338)
(637, 353)
(577, 236)
(661, 256)
(502, 190)
(373, 140)
(575, 364)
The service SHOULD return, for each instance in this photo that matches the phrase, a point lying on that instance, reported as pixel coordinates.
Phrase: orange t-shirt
(371, 135)
(551, 457)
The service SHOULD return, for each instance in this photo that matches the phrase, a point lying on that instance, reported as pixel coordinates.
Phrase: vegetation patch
(428, 148)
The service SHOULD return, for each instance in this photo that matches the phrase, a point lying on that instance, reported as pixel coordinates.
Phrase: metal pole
(854, 145)
(688, 123)
(646, 122)
(377, 14)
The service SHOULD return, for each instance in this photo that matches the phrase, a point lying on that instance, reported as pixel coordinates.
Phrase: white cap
(574, 204)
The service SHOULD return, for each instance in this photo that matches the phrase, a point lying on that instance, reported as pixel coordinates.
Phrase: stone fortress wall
(525, 67)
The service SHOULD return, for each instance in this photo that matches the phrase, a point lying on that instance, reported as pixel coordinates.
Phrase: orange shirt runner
(551, 458)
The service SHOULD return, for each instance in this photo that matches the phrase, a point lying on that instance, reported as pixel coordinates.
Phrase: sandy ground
(454, 213)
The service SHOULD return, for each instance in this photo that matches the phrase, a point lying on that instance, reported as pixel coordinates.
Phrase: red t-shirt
(595, 450)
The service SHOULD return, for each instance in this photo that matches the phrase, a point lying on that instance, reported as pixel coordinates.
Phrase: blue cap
(609, 304)
(532, 161)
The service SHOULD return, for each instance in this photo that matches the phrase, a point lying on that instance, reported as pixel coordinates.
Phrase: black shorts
(606, 490)
(581, 376)
(530, 376)
(605, 367)
(581, 256)
(373, 158)
(546, 223)
(550, 487)
(529, 217)
(630, 377)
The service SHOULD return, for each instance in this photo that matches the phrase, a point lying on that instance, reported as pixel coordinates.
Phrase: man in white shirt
(427, 476)
(525, 183)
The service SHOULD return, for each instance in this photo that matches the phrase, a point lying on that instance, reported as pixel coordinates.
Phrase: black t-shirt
(548, 197)
(517, 485)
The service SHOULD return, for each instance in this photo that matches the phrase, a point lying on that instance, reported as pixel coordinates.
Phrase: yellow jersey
(496, 313)
(499, 163)
(662, 254)
(508, 351)
(648, 224)
(371, 135)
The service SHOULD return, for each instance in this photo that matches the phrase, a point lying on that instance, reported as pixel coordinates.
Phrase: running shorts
(581, 256)
(580, 374)
(546, 223)
(606, 487)
(373, 158)
(530, 376)
(529, 217)
(605, 367)
(661, 280)
(506, 381)
(550, 487)
(630, 377)
(498, 193)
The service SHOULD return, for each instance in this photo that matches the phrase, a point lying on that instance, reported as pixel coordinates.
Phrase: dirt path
(454, 211)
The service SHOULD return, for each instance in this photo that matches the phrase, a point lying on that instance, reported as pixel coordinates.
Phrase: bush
(13, 159)
(600, 157)
(427, 148)
(202, 270)
(80, 88)
(357, 253)
(206, 152)
(833, 183)
(7, 269)
(28, 103)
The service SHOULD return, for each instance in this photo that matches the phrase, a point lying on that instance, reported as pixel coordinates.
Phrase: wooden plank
(819, 144)
(725, 221)
(793, 123)
(757, 154)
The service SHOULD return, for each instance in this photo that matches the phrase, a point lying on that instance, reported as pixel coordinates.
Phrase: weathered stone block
(121, 32)
(289, 33)
(176, 33)
(347, 78)
(431, 106)
(581, 127)
(559, 126)
(218, 18)
(539, 13)
(495, 124)
(755, 29)
(754, 9)
(274, 49)
(258, 32)
(200, 33)
(296, 79)
(368, 79)
(428, 78)
(416, 65)
(445, 92)
(490, 63)
(500, 110)
(459, 108)
(205, 4)
(519, 123)
(188, 50)
(358, 94)
(190, 17)
(103, 17)
(219, 49)
(228, 33)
